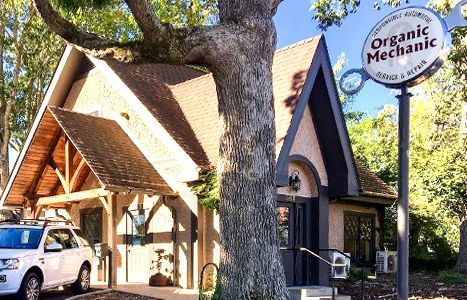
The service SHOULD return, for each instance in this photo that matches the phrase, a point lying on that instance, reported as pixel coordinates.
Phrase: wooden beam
(60, 176)
(43, 168)
(76, 174)
(104, 203)
(73, 197)
(68, 165)
(112, 238)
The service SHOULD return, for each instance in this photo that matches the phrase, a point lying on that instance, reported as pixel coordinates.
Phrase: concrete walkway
(166, 293)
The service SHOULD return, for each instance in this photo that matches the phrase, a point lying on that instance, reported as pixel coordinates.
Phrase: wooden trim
(43, 168)
(73, 197)
(60, 176)
(104, 204)
(112, 238)
(68, 165)
(76, 174)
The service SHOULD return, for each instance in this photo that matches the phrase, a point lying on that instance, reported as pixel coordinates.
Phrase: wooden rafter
(43, 168)
(76, 174)
(72, 197)
(59, 173)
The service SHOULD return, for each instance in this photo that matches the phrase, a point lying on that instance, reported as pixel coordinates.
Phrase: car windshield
(20, 238)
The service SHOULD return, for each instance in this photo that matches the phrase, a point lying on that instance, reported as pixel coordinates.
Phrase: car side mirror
(54, 247)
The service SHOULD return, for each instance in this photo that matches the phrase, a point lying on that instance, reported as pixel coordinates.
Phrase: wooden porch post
(112, 238)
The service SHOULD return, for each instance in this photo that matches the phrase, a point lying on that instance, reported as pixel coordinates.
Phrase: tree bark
(250, 266)
(461, 265)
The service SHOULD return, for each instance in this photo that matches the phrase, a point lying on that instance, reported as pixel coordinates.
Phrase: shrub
(450, 277)
(355, 273)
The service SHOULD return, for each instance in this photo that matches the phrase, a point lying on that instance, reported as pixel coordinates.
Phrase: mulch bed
(422, 286)
(114, 295)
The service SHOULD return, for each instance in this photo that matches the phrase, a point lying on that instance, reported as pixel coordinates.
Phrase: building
(118, 148)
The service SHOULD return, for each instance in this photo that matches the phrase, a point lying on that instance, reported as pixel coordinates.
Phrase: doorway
(137, 254)
(292, 229)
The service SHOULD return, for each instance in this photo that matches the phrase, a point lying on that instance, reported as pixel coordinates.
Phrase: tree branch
(90, 43)
(151, 27)
(275, 5)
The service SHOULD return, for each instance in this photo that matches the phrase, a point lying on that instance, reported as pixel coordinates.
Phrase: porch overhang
(67, 146)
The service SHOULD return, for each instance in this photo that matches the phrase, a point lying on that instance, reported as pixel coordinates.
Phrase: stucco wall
(336, 223)
(94, 94)
(306, 144)
(308, 185)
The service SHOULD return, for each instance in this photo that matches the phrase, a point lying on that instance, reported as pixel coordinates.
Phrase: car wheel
(83, 283)
(30, 288)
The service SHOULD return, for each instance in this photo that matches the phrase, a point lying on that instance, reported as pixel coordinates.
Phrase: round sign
(404, 47)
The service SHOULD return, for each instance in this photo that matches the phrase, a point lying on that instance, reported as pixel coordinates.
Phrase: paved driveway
(50, 295)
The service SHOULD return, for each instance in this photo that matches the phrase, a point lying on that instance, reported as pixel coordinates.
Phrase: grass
(450, 277)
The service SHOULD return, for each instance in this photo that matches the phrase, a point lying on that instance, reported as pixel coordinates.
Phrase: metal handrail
(361, 265)
(323, 260)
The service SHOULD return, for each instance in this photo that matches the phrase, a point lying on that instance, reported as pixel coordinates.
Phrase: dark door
(291, 226)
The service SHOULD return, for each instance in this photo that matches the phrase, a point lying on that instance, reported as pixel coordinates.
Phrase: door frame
(309, 234)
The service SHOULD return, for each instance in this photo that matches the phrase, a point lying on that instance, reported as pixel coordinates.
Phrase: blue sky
(294, 23)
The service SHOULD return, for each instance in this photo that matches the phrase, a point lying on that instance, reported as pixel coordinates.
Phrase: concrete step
(338, 297)
(314, 293)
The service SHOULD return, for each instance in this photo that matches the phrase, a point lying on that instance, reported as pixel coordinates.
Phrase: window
(53, 236)
(81, 237)
(139, 229)
(91, 225)
(283, 219)
(20, 238)
(359, 236)
(69, 240)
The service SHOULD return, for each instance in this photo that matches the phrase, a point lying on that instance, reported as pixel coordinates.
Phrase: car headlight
(9, 264)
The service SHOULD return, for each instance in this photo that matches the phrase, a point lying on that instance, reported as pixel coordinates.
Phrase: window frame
(92, 211)
(348, 213)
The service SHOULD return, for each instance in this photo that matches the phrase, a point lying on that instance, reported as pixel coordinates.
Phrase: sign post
(403, 196)
(405, 48)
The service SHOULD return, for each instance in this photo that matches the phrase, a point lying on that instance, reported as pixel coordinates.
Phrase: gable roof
(184, 102)
(198, 97)
(108, 152)
(371, 185)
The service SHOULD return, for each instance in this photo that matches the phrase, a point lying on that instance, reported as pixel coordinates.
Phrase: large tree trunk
(461, 265)
(250, 265)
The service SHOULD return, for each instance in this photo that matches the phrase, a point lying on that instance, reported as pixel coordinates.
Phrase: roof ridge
(299, 43)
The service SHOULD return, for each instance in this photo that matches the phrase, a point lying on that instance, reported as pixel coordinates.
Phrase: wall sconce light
(294, 180)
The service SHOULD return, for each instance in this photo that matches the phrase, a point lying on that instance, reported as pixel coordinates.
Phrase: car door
(52, 261)
(71, 255)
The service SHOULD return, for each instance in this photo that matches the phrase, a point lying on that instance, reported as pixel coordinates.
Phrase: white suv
(36, 255)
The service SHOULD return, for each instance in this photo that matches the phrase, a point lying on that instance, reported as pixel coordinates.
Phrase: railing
(362, 266)
(326, 262)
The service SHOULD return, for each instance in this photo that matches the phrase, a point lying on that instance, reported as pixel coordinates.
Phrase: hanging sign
(404, 47)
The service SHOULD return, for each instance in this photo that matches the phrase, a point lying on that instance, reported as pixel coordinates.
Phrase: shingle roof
(184, 101)
(151, 84)
(371, 185)
(109, 152)
(198, 98)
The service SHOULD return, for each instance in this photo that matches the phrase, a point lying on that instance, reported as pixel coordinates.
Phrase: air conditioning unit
(341, 265)
(386, 261)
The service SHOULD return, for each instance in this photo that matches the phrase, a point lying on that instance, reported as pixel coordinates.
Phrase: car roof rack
(43, 222)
